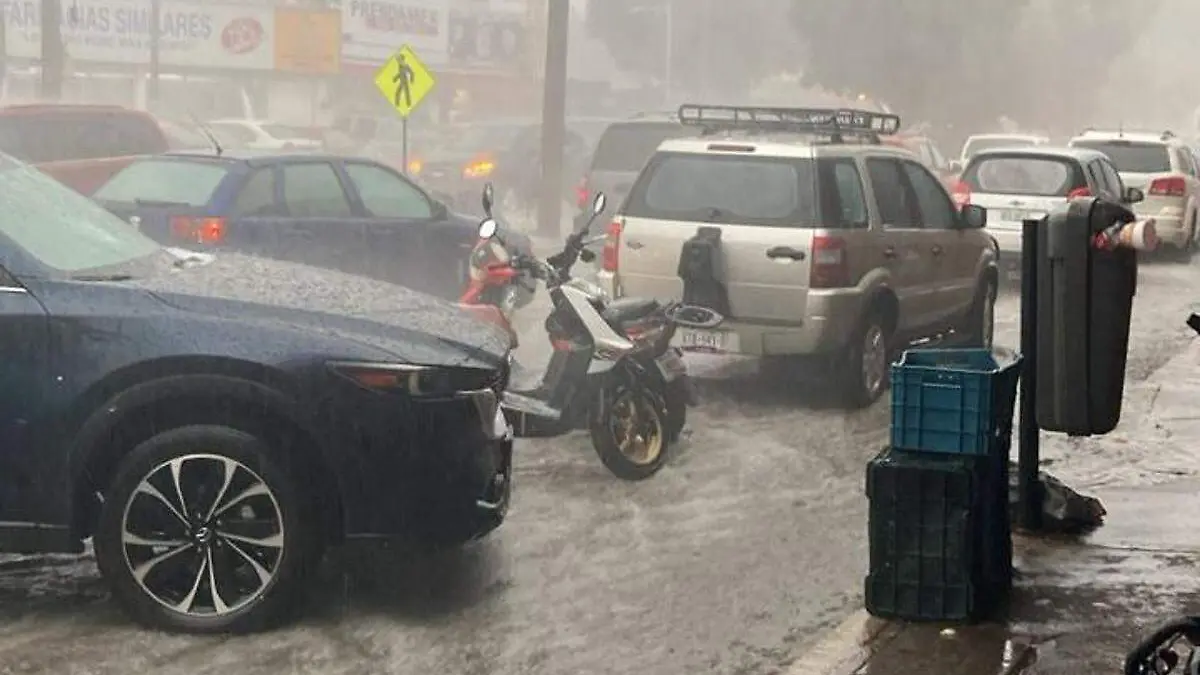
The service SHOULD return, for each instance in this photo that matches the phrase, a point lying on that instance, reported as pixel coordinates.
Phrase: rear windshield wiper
(712, 214)
(158, 202)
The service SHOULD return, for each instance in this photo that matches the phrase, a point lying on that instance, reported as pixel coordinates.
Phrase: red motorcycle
(495, 289)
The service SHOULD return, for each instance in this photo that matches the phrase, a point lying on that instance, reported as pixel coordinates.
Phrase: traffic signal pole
(554, 112)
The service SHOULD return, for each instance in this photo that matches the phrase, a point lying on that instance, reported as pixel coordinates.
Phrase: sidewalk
(1079, 604)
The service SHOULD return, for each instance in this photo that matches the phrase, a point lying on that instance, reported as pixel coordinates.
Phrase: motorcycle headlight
(418, 381)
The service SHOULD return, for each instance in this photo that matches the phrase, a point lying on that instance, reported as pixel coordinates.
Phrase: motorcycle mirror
(488, 228)
(598, 203)
(489, 195)
(587, 255)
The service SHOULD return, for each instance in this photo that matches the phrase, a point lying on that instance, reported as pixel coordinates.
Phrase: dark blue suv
(213, 422)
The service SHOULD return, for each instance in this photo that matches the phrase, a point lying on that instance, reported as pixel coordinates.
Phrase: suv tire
(867, 358)
(980, 325)
(258, 555)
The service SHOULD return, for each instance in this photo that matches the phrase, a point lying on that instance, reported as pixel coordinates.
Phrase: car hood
(412, 326)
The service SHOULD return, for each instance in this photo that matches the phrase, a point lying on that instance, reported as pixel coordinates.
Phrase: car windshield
(61, 229)
(628, 145)
(168, 181)
(975, 146)
(1017, 175)
(723, 189)
(1132, 156)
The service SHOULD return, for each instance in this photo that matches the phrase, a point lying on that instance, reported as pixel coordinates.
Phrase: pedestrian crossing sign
(404, 81)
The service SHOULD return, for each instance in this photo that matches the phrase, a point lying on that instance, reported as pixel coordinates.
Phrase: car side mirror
(439, 210)
(488, 228)
(587, 255)
(1133, 195)
(972, 217)
(956, 165)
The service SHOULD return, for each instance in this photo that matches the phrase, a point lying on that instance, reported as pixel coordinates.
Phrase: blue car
(347, 214)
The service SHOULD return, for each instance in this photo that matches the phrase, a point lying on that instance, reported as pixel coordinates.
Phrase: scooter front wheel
(630, 433)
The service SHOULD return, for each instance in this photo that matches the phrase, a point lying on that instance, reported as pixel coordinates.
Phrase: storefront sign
(494, 41)
(308, 42)
(192, 34)
(372, 30)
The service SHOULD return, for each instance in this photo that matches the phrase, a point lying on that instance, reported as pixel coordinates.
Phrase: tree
(967, 61)
(720, 48)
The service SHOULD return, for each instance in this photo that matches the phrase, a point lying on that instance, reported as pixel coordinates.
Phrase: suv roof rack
(838, 123)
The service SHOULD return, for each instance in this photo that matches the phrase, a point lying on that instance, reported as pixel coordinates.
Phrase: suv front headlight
(418, 381)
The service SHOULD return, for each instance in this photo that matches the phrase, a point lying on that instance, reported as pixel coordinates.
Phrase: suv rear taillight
(961, 193)
(830, 267)
(610, 256)
(1168, 187)
(1079, 192)
(582, 193)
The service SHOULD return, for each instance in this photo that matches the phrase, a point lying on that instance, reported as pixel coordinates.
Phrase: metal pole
(404, 144)
(152, 91)
(669, 66)
(1028, 484)
(554, 111)
(52, 51)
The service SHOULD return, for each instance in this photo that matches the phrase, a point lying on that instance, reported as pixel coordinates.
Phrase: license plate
(708, 341)
(1019, 215)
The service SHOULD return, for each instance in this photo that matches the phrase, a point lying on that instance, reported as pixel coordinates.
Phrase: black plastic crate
(936, 549)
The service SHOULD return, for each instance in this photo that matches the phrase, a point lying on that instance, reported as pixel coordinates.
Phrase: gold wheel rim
(637, 429)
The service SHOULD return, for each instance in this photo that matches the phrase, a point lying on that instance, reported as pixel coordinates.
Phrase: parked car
(80, 145)
(350, 214)
(834, 251)
(927, 151)
(980, 142)
(214, 422)
(506, 153)
(1163, 167)
(263, 135)
(1025, 183)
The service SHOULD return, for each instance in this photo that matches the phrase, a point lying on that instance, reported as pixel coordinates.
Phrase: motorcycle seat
(630, 309)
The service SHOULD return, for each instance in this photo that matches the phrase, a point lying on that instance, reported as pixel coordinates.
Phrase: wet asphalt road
(729, 561)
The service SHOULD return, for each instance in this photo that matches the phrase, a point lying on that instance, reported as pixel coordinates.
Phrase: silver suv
(834, 246)
(1164, 169)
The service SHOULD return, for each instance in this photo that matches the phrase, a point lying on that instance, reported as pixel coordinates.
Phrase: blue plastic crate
(957, 401)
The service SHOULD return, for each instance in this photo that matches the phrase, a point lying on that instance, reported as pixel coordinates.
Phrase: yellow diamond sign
(404, 81)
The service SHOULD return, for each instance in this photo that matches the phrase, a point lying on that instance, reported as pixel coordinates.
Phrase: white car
(981, 142)
(1025, 183)
(1163, 167)
(262, 135)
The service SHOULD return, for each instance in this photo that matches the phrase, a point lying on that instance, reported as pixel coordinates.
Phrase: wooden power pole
(554, 112)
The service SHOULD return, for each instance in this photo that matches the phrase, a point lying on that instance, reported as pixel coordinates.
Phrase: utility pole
(53, 57)
(554, 113)
(152, 94)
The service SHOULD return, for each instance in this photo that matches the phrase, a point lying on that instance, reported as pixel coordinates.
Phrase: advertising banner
(373, 30)
(308, 42)
(192, 34)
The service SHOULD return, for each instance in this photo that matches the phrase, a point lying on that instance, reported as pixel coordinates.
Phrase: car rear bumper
(826, 328)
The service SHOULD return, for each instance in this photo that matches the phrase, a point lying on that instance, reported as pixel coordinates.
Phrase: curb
(846, 648)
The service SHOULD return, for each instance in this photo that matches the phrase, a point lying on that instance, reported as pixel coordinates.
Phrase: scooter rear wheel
(630, 433)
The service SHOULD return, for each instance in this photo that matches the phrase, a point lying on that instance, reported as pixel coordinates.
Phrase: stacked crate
(940, 538)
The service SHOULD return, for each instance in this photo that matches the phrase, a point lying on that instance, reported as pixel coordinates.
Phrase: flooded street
(729, 561)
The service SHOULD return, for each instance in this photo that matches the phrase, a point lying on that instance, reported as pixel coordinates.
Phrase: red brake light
(830, 267)
(610, 256)
(582, 193)
(199, 230)
(1168, 187)
(961, 193)
(1079, 192)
